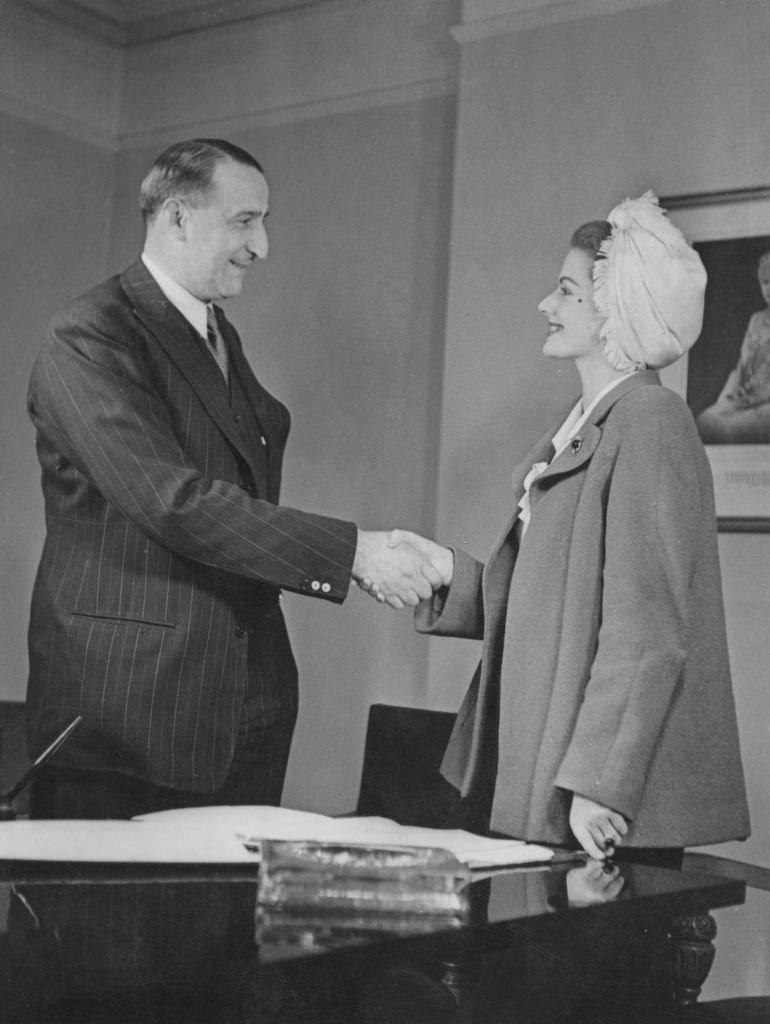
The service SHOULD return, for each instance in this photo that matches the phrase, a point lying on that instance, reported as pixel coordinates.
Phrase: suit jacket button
(237, 417)
(263, 439)
(240, 630)
(326, 588)
(315, 585)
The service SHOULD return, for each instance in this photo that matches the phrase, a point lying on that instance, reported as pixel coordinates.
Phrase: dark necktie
(217, 343)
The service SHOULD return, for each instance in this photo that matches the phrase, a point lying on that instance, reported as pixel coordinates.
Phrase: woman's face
(573, 323)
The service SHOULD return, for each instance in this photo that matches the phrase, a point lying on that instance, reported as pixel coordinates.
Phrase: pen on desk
(7, 798)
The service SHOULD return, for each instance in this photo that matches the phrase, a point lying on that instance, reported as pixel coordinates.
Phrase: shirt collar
(192, 308)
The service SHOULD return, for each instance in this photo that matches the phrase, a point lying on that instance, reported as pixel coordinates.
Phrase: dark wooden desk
(147, 945)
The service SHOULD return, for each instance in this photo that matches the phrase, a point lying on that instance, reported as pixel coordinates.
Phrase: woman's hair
(186, 170)
(589, 237)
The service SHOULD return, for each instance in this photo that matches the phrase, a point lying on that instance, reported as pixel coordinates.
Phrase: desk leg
(692, 950)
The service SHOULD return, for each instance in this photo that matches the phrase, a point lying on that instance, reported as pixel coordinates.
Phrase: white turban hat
(649, 287)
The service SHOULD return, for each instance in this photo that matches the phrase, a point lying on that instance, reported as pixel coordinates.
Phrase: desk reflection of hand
(593, 883)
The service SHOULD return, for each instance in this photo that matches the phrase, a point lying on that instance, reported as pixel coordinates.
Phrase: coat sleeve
(456, 610)
(654, 524)
(92, 400)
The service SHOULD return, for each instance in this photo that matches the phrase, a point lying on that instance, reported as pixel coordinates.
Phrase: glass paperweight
(316, 894)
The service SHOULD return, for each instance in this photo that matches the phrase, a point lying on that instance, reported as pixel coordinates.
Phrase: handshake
(400, 567)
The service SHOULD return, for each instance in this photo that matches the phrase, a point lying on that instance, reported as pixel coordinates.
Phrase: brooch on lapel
(576, 444)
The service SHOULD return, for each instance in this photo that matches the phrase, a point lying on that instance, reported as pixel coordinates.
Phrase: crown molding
(291, 113)
(28, 112)
(114, 97)
(483, 19)
(61, 80)
(126, 23)
(29, 23)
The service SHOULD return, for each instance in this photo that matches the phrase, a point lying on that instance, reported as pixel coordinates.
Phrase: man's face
(225, 234)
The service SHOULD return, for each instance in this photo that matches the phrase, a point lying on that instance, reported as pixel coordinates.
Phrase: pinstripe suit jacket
(165, 547)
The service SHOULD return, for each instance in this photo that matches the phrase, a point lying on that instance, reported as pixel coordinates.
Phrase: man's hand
(598, 829)
(399, 567)
(442, 559)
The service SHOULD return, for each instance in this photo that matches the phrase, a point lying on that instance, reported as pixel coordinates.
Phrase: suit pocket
(129, 620)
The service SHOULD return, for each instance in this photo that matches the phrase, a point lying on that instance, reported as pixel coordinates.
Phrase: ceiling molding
(487, 18)
(129, 22)
(290, 113)
(62, 124)
(61, 79)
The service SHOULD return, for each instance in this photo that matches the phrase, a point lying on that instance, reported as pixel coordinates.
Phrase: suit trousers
(256, 777)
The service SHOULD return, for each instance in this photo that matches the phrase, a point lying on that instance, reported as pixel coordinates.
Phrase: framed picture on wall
(725, 377)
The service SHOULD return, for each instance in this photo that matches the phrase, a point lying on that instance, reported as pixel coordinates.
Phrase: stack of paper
(119, 842)
(221, 835)
(252, 824)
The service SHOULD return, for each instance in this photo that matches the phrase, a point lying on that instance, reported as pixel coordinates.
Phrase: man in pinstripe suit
(155, 612)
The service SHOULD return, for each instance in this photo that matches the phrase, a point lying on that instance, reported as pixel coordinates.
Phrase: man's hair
(185, 170)
(589, 237)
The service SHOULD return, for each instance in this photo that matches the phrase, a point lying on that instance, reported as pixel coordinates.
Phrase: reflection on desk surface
(188, 949)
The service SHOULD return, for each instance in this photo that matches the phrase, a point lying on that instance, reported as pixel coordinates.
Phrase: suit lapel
(172, 332)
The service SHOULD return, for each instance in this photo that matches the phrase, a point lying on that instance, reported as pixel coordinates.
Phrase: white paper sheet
(255, 823)
(120, 842)
(217, 835)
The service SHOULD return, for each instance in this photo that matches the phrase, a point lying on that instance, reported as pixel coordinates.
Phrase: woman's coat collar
(580, 449)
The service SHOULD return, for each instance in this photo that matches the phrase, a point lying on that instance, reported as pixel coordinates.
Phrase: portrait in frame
(725, 377)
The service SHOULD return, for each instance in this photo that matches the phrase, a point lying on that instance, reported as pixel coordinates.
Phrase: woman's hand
(593, 883)
(598, 829)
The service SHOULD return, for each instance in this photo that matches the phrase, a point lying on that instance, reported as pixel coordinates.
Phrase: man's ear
(175, 216)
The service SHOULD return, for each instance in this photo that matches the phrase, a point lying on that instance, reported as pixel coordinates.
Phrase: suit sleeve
(654, 522)
(92, 400)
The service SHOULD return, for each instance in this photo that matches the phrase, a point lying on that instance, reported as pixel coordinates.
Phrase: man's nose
(258, 243)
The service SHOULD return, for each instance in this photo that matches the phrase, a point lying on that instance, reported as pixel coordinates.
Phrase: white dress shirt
(191, 308)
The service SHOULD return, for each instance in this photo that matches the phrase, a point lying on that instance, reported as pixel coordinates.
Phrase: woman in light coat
(602, 712)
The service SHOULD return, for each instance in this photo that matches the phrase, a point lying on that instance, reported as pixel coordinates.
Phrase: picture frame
(730, 229)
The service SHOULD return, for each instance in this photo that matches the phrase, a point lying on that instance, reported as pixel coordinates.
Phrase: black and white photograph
(384, 512)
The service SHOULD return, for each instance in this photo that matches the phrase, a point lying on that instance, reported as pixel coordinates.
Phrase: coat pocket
(129, 620)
